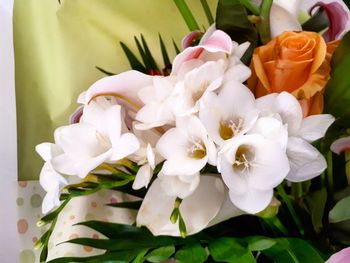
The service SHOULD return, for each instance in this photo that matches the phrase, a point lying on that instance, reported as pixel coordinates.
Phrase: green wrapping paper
(58, 46)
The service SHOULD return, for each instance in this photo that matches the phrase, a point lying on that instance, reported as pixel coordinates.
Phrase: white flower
(186, 148)
(251, 166)
(146, 156)
(230, 113)
(197, 210)
(306, 161)
(196, 83)
(96, 139)
(50, 180)
(158, 102)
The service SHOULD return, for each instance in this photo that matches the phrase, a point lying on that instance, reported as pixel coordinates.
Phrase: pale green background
(58, 46)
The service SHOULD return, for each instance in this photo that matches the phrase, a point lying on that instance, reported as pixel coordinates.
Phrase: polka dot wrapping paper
(29, 199)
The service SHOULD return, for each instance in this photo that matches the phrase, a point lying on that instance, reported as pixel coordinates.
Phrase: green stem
(290, 207)
(264, 25)
(297, 190)
(250, 6)
(207, 11)
(187, 15)
(330, 172)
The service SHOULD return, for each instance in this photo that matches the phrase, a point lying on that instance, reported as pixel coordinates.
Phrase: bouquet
(234, 151)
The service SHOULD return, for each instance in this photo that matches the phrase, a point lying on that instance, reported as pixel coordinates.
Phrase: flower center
(197, 149)
(244, 157)
(231, 128)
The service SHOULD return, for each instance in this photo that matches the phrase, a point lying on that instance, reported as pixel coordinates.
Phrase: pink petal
(343, 256)
(125, 86)
(190, 38)
(338, 18)
(219, 41)
(75, 117)
(341, 145)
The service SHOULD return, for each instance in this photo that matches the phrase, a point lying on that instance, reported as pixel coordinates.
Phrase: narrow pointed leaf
(108, 73)
(160, 254)
(165, 55)
(129, 205)
(148, 54)
(134, 62)
(340, 212)
(187, 15)
(207, 11)
(177, 50)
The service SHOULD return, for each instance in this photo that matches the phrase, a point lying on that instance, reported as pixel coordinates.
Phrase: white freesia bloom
(186, 150)
(197, 210)
(230, 113)
(158, 102)
(305, 160)
(251, 166)
(50, 180)
(96, 139)
(146, 156)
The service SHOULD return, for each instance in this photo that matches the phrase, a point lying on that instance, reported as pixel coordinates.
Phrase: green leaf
(187, 15)
(341, 211)
(140, 257)
(232, 17)
(160, 254)
(316, 203)
(192, 253)
(108, 73)
(177, 50)
(293, 250)
(129, 205)
(109, 257)
(165, 55)
(317, 22)
(148, 54)
(133, 60)
(337, 92)
(259, 243)
(207, 11)
(229, 250)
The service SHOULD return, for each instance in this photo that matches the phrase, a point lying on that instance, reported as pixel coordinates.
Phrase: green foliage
(316, 202)
(337, 93)
(191, 253)
(160, 254)
(232, 18)
(341, 211)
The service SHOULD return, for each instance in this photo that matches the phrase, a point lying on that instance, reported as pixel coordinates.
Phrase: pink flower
(341, 145)
(338, 17)
(343, 256)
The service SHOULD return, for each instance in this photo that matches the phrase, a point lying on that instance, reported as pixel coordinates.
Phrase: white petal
(183, 165)
(83, 167)
(253, 201)
(65, 165)
(238, 72)
(126, 145)
(228, 210)
(47, 150)
(143, 177)
(281, 20)
(172, 143)
(197, 210)
(49, 178)
(174, 186)
(314, 127)
(306, 161)
(151, 158)
(80, 141)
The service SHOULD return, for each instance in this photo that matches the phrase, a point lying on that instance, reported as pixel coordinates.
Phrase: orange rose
(297, 62)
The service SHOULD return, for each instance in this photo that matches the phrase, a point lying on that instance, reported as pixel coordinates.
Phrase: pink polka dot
(34, 239)
(23, 184)
(93, 204)
(88, 249)
(22, 226)
(72, 217)
(95, 236)
(114, 200)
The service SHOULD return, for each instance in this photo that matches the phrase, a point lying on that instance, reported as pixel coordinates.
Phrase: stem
(290, 207)
(207, 11)
(330, 172)
(264, 26)
(251, 7)
(187, 15)
(297, 190)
